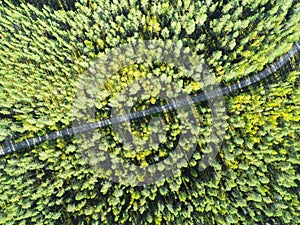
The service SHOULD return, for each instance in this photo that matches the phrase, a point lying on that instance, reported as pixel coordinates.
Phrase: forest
(149, 112)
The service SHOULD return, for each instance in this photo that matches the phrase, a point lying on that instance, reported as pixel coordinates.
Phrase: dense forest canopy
(47, 47)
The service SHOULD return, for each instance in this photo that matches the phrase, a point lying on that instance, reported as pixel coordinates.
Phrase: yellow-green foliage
(45, 49)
